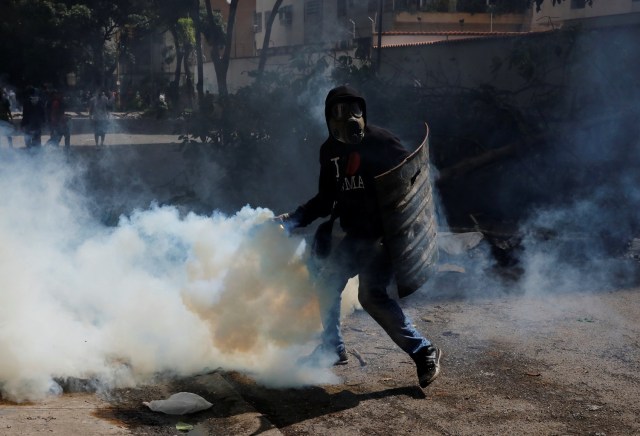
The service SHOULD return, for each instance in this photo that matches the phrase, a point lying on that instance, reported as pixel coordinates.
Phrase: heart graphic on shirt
(353, 164)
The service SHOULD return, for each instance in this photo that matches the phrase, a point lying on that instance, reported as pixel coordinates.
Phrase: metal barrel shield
(405, 197)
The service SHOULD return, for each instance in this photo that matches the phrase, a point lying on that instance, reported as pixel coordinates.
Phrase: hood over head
(345, 112)
(344, 93)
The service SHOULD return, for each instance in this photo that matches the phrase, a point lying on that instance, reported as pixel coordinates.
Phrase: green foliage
(186, 31)
(41, 37)
(246, 120)
(215, 30)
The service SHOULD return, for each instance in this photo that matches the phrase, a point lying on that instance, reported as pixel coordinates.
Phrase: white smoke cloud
(159, 293)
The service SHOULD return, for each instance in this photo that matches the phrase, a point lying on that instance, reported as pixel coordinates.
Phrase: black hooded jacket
(347, 174)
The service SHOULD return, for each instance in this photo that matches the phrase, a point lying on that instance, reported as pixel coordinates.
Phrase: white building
(320, 23)
(601, 13)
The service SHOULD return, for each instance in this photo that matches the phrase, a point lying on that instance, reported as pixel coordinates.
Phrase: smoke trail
(158, 293)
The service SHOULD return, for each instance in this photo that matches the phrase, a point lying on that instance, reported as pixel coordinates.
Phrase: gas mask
(346, 122)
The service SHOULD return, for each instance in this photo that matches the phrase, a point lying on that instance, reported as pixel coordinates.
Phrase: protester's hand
(281, 218)
(285, 221)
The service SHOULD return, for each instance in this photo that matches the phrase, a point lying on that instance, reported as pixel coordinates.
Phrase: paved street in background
(87, 139)
(156, 132)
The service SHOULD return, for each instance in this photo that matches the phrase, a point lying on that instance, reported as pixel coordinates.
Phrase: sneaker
(323, 356)
(343, 358)
(428, 365)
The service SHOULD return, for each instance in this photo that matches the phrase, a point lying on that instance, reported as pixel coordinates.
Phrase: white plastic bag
(181, 403)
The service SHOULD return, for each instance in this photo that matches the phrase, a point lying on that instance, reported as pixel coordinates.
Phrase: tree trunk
(267, 38)
(98, 54)
(199, 60)
(221, 63)
(187, 73)
(175, 85)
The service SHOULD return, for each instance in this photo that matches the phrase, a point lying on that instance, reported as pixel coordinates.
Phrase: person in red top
(58, 121)
(351, 157)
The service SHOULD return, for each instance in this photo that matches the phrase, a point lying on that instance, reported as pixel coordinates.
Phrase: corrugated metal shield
(405, 196)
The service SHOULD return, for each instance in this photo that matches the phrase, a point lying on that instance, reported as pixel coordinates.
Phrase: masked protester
(352, 156)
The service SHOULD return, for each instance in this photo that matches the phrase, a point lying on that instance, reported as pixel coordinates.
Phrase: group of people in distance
(40, 109)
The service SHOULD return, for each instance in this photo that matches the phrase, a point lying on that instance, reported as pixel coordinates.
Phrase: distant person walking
(13, 100)
(33, 118)
(6, 123)
(99, 114)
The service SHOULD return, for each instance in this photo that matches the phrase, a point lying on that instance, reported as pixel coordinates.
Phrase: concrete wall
(400, 38)
(454, 21)
(237, 76)
(465, 64)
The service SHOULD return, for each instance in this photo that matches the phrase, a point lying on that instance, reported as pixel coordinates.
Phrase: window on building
(257, 22)
(578, 4)
(285, 15)
(312, 10)
(341, 8)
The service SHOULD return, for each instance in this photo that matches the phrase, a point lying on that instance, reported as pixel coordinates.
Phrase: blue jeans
(369, 259)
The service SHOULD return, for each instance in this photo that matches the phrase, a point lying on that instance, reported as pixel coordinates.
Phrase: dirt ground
(513, 364)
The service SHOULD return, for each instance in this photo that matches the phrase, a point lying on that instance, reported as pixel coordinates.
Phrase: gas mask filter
(346, 122)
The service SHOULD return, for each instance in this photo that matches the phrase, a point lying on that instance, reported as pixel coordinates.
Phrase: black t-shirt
(347, 173)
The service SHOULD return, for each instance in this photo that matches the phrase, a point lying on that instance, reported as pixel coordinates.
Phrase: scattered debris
(358, 356)
(449, 267)
(181, 403)
(183, 426)
(633, 249)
